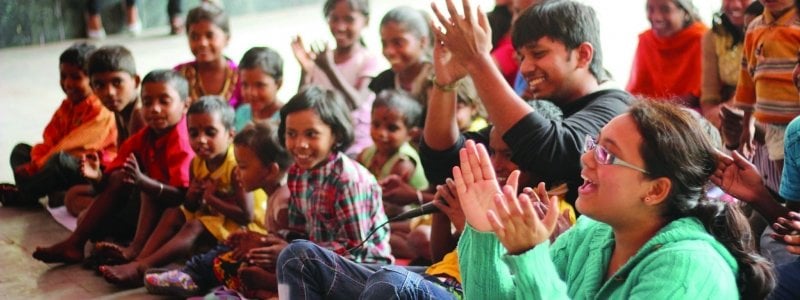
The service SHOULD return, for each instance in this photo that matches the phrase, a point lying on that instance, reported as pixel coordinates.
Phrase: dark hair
(673, 148)
(568, 22)
(210, 12)
(361, 6)
(261, 138)
(721, 24)
(264, 59)
(500, 22)
(213, 104)
(113, 58)
(413, 20)
(330, 108)
(77, 55)
(403, 102)
(170, 77)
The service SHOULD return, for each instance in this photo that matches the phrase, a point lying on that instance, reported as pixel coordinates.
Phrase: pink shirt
(363, 64)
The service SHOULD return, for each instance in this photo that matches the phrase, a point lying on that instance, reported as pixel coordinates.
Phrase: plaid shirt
(339, 204)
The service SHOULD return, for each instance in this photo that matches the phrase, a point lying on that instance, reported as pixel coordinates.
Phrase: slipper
(168, 282)
(110, 252)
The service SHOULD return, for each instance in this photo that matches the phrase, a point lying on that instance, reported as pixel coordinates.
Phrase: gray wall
(33, 22)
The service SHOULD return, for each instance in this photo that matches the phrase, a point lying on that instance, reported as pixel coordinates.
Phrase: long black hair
(673, 148)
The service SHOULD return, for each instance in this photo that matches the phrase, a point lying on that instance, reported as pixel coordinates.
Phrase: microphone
(425, 209)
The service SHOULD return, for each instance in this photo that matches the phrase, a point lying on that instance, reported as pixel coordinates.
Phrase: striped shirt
(768, 59)
(338, 204)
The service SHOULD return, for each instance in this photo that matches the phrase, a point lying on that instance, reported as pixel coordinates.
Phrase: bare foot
(113, 252)
(59, 253)
(127, 275)
(258, 283)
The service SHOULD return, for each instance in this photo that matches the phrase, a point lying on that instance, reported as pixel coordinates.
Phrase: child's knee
(78, 199)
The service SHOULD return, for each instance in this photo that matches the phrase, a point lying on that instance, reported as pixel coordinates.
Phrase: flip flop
(168, 282)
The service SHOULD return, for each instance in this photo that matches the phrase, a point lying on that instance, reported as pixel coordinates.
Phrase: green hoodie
(682, 261)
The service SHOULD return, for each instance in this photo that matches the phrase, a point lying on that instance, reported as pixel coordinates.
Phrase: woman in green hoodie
(647, 231)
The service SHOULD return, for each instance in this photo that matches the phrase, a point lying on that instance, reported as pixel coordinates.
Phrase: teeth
(535, 81)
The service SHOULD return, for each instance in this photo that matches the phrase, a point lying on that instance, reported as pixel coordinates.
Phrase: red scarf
(666, 67)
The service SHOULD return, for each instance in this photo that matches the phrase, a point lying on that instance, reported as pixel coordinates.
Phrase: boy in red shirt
(152, 165)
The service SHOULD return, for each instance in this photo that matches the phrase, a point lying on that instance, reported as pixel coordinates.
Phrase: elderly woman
(667, 61)
(647, 232)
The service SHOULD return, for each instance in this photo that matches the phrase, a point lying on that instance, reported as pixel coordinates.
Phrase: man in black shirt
(561, 59)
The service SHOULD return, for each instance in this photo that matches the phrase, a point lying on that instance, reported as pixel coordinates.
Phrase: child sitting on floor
(165, 155)
(261, 75)
(80, 125)
(113, 78)
(215, 204)
(348, 68)
(395, 119)
(211, 73)
(263, 163)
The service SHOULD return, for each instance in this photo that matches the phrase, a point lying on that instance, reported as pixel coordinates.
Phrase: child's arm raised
(238, 207)
(354, 96)
(305, 60)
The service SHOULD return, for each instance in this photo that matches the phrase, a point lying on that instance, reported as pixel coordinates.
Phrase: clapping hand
(446, 200)
(541, 208)
(515, 222)
(304, 58)
(467, 37)
(476, 185)
(323, 56)
(132, 173)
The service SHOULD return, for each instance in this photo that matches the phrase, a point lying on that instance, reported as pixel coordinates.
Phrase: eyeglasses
(602, 155)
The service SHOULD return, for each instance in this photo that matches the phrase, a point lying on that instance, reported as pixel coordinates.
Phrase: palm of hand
(303, 57)
(476, 201)
(467, 35)
(323, 58)
(447, 70)
(740, 182)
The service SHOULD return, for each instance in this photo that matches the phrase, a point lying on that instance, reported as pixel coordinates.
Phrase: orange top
(667, 67)
(78, 128)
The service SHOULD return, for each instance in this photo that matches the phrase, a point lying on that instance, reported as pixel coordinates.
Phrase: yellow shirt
(217, 224)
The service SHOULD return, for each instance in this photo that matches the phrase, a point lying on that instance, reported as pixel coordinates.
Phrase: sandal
(170, 283)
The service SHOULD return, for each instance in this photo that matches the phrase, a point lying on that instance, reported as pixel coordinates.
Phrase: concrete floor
(29, 93)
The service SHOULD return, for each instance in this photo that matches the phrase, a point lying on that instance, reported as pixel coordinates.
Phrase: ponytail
(730, 227)
(673, 148)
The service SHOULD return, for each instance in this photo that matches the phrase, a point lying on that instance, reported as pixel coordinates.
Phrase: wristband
(443, 87)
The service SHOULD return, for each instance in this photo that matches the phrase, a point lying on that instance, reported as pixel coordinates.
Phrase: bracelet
(443, 87)
(419, 196)
(160, 189)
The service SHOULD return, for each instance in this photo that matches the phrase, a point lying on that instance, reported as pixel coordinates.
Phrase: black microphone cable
(424, 209)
